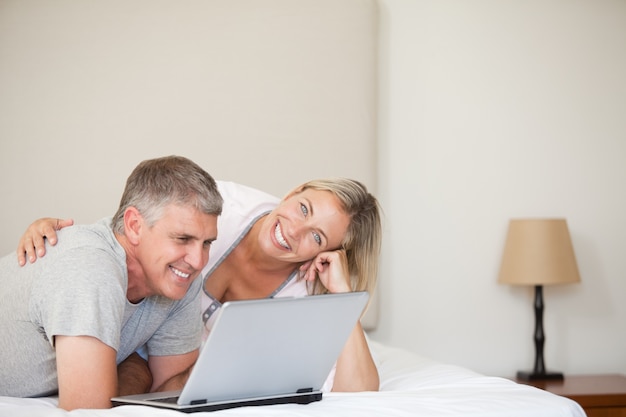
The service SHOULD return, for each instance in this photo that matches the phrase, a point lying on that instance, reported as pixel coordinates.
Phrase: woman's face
(303, 225)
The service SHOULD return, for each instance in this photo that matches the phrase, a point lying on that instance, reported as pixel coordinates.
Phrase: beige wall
(492, 110)
(270, 94)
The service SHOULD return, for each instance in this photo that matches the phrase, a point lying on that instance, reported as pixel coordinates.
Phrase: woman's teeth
(279, 237)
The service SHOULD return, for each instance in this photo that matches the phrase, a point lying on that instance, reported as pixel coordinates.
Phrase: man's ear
(133, 224)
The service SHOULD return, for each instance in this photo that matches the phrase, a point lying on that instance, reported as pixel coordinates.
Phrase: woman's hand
(356, 370)
(32, 243)
(332, 270)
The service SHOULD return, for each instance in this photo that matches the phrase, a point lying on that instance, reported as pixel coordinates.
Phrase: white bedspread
(410, 386)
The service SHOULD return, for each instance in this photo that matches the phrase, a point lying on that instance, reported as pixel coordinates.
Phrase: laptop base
(304, 398)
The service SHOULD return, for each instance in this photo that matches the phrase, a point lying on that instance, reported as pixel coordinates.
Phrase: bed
(410, 386)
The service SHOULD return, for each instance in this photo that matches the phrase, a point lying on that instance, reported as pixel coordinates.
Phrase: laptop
(263, 352)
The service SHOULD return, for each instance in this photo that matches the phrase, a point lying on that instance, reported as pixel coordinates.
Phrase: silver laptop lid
(272, 346)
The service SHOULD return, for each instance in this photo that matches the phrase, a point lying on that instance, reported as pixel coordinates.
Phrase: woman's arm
(32, 243)
(356, 370)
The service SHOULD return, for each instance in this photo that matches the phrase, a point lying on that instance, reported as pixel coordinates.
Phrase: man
(109, 288)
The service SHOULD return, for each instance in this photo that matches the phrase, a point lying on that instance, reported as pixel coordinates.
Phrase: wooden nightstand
(598, 395)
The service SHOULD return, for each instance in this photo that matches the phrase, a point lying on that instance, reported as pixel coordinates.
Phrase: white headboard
(269, 93)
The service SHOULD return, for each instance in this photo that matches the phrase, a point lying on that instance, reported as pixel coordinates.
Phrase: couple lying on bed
(324, 236)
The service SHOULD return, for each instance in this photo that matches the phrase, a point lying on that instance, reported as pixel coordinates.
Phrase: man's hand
(86, 371)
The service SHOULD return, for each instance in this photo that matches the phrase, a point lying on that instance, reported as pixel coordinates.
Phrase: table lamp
(538, 252)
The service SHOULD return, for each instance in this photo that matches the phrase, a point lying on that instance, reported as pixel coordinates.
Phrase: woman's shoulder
(242, 202)
(233, 191)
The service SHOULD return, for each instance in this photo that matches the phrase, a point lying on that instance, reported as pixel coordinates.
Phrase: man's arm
(171, 372)
(134, 376)
(87, 373)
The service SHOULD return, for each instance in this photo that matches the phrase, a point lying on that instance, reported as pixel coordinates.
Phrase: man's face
(175, 249)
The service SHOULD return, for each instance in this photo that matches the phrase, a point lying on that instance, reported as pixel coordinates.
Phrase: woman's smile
(278, 234)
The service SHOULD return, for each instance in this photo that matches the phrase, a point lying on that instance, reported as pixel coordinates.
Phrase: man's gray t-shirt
(79, 289)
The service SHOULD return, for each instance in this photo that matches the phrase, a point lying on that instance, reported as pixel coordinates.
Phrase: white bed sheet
(410, 386)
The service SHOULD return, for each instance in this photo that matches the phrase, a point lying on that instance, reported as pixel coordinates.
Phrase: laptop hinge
(196, 402)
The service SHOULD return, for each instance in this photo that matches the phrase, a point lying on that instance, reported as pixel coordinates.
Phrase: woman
(324, 236)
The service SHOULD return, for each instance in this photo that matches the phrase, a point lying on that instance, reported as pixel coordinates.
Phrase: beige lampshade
(538, 252)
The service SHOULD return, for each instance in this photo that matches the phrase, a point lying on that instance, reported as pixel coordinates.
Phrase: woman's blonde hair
(363, 238)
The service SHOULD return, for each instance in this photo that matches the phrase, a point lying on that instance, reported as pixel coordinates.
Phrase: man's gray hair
(156, 183)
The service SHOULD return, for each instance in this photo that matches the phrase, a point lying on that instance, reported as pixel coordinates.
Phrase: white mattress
(410, 386)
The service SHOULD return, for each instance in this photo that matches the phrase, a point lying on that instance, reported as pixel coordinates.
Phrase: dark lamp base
(538, 376)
